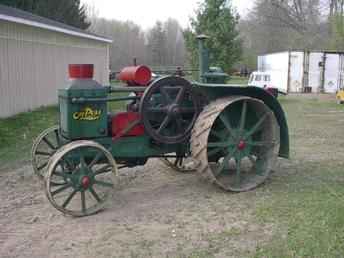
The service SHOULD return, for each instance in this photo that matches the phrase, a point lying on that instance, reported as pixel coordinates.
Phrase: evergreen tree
(217, 20)
(157, 45)
(70, 12)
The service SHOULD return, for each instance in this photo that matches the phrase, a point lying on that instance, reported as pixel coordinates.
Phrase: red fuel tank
(136, 75)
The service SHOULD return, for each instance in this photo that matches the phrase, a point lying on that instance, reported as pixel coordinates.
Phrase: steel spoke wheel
(236, 142)
(179, 164)
(169, 109)
(44, 147)
(83, 189)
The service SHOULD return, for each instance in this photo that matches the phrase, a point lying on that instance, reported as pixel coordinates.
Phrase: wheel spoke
(238, 170)
(105, 184)
(164, 124)
(214, 151)
(268, 144)
(82, 159)
(95, 160)
(51, 146)
(227, 124)
(102, 170)
(43, 153)
(70, 197)
(256, 126)
(54, 184)
(164, 93)
(220, 144)
(243, 116)
(95, 195)
(57, 137)
(61, 189)
(180, 95)
(61, 174)
(83, 201)
(216, 134)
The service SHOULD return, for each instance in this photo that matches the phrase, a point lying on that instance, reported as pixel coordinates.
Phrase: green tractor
(231, 135)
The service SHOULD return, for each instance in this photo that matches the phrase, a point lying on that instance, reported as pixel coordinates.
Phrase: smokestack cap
(81, 71)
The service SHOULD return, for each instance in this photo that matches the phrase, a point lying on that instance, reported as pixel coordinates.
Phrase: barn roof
(22, 17)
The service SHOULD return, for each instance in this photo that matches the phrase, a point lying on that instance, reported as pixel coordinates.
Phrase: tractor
(231, 135)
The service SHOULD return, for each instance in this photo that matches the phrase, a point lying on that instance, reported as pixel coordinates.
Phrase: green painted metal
(83, 119)
(206, 73)
(203, 57)
(213, 92)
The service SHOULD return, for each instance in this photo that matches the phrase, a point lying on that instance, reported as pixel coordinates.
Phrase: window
(258, 78)
(267, 78)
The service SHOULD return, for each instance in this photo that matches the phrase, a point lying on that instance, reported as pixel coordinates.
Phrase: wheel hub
(174, 110)
(241, 145)
(85, 182)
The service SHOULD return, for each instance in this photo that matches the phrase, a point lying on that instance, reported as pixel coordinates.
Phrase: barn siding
(34, 64)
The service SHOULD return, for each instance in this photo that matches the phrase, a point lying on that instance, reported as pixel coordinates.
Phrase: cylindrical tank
(81, 77)
(136, 75)
(80, 71)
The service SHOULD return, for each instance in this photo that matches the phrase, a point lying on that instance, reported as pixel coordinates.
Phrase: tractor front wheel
(82, 188)
(236, 141)
(44, 147)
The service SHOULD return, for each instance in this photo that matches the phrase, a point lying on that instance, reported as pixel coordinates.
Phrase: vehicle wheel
(236, 142)
(44, 147)
(83, 189)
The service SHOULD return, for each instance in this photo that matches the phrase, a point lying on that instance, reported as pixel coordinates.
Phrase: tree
(218, 21)
(157, 45)
(70, 12)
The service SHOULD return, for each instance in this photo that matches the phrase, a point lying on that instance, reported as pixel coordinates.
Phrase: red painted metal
(121, 121)
(136, 75)
(85, 182)
(241, 145)
(81, 71)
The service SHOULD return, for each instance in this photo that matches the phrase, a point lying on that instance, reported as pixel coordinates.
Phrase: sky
(147, 12)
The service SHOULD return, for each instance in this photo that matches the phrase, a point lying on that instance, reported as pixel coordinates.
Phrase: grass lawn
(305, 202)
(18, 132)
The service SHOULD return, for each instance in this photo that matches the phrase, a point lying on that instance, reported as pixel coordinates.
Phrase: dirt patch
(158, 214)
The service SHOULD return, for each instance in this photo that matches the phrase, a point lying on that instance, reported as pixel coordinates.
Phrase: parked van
(268, 81)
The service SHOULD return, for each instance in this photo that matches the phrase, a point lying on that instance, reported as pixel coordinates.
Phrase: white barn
(34, 57)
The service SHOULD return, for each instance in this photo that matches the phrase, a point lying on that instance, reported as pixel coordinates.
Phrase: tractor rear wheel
(43, 149)
(81, 189)
(235, 142)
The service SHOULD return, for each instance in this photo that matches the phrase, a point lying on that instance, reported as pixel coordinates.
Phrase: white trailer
(304, 71)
